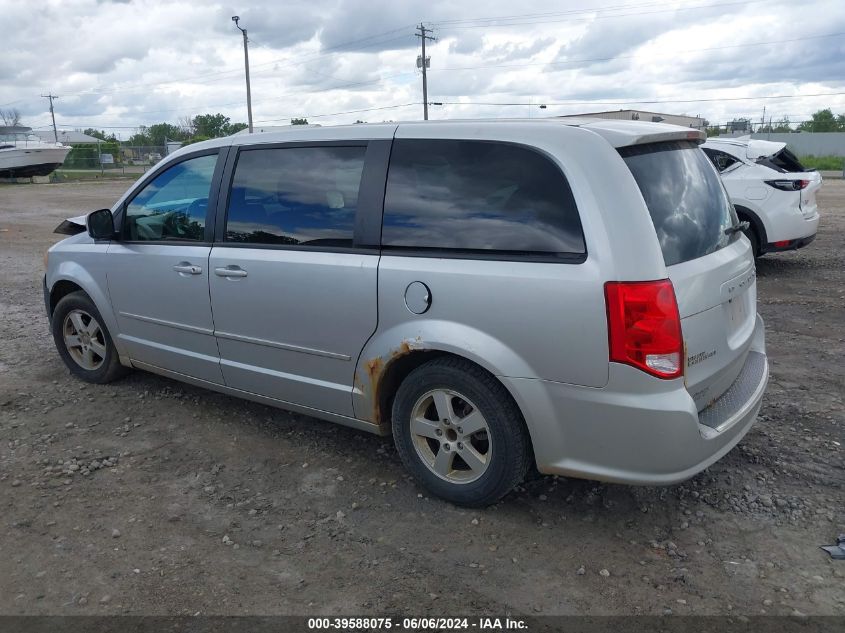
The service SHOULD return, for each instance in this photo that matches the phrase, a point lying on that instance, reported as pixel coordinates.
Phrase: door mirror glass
(101, 224)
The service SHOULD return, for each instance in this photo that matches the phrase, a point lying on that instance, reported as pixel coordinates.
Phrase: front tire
(459, 433)
(83, 341)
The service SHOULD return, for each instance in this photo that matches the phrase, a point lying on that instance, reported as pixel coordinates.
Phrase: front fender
(386, 347)
(94, 285)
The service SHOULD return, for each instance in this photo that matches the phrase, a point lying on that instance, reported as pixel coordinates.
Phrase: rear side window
(479, 197)
(295, 196)
(722, 160)
(685, 197)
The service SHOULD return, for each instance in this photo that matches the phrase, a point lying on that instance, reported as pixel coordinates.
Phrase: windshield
(688, 204)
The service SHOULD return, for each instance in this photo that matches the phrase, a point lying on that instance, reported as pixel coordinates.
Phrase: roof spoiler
(696, 136)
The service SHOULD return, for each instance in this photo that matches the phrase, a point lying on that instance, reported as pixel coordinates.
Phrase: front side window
(481, 197)
(685, 197)
(173, 205)
(295, 196)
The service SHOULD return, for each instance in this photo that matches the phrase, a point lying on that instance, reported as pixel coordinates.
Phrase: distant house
(66, 137)
(699, 123)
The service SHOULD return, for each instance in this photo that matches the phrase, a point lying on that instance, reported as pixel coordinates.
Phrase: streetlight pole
(235, 19)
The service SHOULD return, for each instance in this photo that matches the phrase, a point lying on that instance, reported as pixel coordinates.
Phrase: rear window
(685, 197)
(479, 197)
(784, 161)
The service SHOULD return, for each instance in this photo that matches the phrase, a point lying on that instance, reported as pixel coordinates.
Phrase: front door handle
(187, 268)
(230, 271)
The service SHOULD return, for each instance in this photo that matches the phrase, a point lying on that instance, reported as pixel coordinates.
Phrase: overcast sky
(118, 64)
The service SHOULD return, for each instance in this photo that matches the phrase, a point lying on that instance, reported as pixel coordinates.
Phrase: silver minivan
(573, 295)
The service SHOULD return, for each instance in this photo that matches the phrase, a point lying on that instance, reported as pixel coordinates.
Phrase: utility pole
(51, 96)
(235, 19)
(423, 62)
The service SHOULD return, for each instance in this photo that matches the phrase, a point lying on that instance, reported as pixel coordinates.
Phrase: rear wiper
(737, 228)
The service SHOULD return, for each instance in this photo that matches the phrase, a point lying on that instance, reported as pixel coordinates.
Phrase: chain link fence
(108, 159)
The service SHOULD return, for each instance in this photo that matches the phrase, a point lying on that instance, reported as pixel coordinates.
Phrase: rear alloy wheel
(451, 436)
(83, 341)
(459, 433)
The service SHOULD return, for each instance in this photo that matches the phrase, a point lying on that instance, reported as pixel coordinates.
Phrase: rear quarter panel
(518, 318)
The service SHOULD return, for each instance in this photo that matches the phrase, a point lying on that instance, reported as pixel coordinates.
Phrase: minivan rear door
(711, 266)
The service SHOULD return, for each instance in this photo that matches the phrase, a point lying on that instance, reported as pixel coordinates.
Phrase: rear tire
(751, 234)
(459, 433)
(83, 341)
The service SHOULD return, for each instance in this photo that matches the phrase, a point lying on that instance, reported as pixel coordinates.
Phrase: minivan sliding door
(294, 298)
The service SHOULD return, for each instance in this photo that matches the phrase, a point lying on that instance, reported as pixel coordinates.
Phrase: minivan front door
(158, 271)
(294, 300)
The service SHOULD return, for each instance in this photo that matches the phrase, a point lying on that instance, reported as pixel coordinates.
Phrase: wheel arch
(71, 277)
(377, 379)
(61, 289)
(756, 223)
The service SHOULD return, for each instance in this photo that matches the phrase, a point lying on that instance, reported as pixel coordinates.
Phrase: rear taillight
(644, 326)
(788, 185)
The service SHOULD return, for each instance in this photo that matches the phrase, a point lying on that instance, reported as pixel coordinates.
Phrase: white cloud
(121, 64)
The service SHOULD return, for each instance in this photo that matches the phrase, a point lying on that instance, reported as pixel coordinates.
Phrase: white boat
(23, 154)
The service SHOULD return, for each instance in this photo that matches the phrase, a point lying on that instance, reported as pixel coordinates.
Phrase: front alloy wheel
(84, 339)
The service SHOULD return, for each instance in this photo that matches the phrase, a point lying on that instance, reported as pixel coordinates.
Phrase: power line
(318, 116)
(605, 59)
(639, 102)
(279, 62)
(285, 118)
(548, 14)
(503, 22)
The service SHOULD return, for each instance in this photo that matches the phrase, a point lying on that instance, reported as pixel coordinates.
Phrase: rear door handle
(230, 271)
(187, 268)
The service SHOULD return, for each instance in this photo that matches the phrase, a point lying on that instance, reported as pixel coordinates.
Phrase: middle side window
(295, 196)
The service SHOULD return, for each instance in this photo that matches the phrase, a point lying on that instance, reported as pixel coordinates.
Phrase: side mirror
(100, 224)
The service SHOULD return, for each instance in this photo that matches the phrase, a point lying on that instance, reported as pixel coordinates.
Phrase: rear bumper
(637, 429)
(789, 245)
(790, 225)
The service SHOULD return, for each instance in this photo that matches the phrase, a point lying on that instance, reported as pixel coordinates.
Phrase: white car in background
(770, 190)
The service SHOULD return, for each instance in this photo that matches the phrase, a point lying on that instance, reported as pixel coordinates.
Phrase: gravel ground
(147, 496)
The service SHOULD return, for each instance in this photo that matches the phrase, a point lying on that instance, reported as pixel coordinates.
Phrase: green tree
(823, 121)
(784, 125)
(158, 132)
(236, 127)
(100, 134)
(211, 125)
(299, 121)
(140, 138)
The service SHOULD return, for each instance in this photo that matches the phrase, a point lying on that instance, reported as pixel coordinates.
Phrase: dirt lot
(207, 504)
